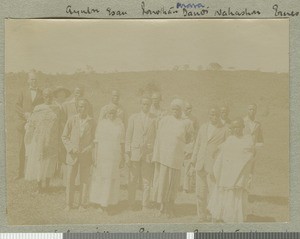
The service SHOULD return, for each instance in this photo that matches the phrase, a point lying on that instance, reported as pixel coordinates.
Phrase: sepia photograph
(147, 121)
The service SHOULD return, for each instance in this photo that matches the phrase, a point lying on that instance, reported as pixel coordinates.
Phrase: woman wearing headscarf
(232, 170)
(173, 133)
(109, 139)
(41, 140)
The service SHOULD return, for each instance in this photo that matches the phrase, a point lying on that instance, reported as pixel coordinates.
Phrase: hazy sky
(65, 46)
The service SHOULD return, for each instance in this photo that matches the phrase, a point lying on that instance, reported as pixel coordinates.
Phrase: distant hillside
(202, 88)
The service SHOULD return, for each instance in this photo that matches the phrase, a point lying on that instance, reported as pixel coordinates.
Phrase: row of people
(155, 145)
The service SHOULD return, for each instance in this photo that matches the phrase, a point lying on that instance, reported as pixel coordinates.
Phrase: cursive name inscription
(79, 12)
(161, 11)
(230, 12)
(280, 13)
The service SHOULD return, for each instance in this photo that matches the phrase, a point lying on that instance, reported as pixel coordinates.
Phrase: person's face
(82, 108)
(78, 93)
(47, 96)
(155, 99)
(176, 111)
(32, 81)
(61, 96)
(145, 104)
(224, 113)
(214, 116)
(111, 115)
(115, 98)
(188, 110)
(251, 111)
(236, 128)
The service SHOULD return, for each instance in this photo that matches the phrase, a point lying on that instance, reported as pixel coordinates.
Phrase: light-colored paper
(58, 9)
(203, 64)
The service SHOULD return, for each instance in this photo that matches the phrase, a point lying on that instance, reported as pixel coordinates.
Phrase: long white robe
(228, 201)
(168, 155)
(105, 183)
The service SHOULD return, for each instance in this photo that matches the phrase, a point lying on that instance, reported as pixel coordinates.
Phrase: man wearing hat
(60, 95)
(27, 100)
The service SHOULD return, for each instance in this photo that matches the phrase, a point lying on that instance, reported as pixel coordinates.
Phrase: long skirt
(166, 184)
(38, 168)
(104, 191)
(228, 205)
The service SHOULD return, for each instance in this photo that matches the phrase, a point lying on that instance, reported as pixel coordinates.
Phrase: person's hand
(187, 155)
(74, 153)
(191, 167)
(27, 115)
(192, 164)
(86, 149)
(250, 179)
(212, 178)
(127, 159)
(122, 163)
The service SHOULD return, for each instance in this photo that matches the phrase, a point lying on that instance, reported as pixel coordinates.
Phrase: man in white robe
(173, 134)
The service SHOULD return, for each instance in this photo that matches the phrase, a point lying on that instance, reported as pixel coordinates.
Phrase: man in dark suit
(139, 143)
(27, 100)
(210, 136)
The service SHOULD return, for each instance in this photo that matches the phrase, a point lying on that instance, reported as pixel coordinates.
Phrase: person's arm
(152, 134)
(260, 138)
(102, 113)
(196, 148)
(30, 127)
(66, 137)
(19, 108)
(64, 115)
(189, 132)
(91, 144)
(129, 134)
(122, 145)
(128, 139)
(90, 109)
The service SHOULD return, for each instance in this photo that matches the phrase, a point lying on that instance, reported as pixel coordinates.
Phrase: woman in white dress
(109, 139)
(41, 142)
(232, 170)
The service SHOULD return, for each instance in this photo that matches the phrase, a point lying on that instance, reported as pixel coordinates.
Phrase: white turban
(178, 103)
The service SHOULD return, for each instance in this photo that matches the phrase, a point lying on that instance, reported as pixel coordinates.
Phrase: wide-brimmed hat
(61, 88)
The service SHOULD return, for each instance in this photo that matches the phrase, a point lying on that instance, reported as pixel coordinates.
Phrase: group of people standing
(157, 146)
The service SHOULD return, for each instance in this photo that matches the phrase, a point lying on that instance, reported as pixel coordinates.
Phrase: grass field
(269, 199)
